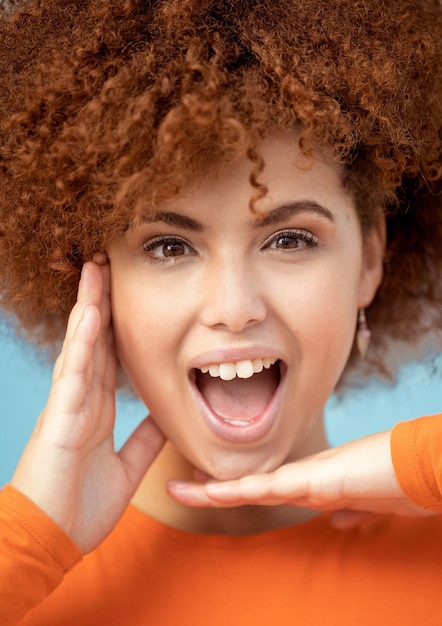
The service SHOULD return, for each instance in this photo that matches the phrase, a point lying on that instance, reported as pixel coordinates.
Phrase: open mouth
(239, 395)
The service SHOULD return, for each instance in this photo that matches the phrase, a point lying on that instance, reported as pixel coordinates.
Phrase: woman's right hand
(69, 467)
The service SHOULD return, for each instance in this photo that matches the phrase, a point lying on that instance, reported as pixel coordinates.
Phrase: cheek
(148, 324)
(320, 311)
(325, 294)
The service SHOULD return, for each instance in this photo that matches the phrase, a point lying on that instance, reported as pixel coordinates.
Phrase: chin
(236, 465)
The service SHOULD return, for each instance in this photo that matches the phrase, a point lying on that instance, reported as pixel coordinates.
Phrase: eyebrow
(174, 219)
(281, 213)
(275, 216)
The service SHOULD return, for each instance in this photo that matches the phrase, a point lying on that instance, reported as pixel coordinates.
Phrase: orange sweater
(386, 572)
(416, 449)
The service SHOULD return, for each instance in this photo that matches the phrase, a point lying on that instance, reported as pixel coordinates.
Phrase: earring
(363, 335)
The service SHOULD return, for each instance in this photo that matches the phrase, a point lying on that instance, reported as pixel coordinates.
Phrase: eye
(291, 240)
(167, 249)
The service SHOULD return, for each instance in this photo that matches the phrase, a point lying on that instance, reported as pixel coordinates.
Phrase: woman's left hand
(355, 481)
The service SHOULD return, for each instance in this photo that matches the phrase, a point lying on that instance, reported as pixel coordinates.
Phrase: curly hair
(108, 104)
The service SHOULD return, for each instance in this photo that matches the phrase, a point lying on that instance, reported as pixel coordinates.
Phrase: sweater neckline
(303, 530)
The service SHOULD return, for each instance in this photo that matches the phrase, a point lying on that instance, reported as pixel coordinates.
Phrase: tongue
(240, 398)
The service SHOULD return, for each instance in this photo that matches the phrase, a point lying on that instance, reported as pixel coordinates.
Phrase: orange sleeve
(35, 554)
(416, 450)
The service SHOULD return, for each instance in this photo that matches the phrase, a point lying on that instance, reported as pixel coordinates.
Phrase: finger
(104, 349)
(89, 292)
(105, 305)
(102, 395)
(190, 494)
(290, 484)
(108, 380)
(256, 489)
(276, 487)
(69, 390)
(140, 450)
(213, 494)
(250, 489)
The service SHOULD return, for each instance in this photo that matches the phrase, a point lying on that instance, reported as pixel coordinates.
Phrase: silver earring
(363, 335)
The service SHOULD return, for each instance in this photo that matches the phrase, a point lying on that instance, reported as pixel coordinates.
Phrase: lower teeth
(237, 422)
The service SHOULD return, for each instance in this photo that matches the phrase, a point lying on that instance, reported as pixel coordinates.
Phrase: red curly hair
(105, 104)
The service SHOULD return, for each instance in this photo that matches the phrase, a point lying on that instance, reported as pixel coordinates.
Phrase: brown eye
(163, 249)
(291, 240)
(175, 248)
(286, 242)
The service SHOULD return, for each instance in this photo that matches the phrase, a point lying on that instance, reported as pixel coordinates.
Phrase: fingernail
(100, 258)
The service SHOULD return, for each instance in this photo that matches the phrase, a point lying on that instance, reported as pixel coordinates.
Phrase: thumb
(140, 450)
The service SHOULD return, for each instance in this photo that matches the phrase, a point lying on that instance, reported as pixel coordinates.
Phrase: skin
(297, 304)
(70, 467)
(70, 461)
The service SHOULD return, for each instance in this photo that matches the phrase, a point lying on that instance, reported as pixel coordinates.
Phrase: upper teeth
(241, 369)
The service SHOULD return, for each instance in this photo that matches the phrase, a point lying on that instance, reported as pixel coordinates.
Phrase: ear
(372, 262)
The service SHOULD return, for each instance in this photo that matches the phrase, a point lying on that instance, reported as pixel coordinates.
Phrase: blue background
(25, 382)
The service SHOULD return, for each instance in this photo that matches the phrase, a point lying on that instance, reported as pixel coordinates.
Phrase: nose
(232, 298)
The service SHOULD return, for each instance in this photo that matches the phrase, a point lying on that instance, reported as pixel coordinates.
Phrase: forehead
(286, 181)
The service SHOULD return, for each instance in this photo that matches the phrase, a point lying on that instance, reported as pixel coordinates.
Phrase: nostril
(233, 311)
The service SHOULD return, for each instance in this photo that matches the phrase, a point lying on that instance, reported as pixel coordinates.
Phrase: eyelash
(306, 237)
(296, 235)
(158, 242)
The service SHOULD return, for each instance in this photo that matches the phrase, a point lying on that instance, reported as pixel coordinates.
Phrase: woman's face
(235, 330)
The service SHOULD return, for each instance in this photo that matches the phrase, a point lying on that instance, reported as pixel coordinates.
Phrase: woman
(244, 188)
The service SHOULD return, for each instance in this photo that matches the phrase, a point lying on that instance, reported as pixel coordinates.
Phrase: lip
(261, 426)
